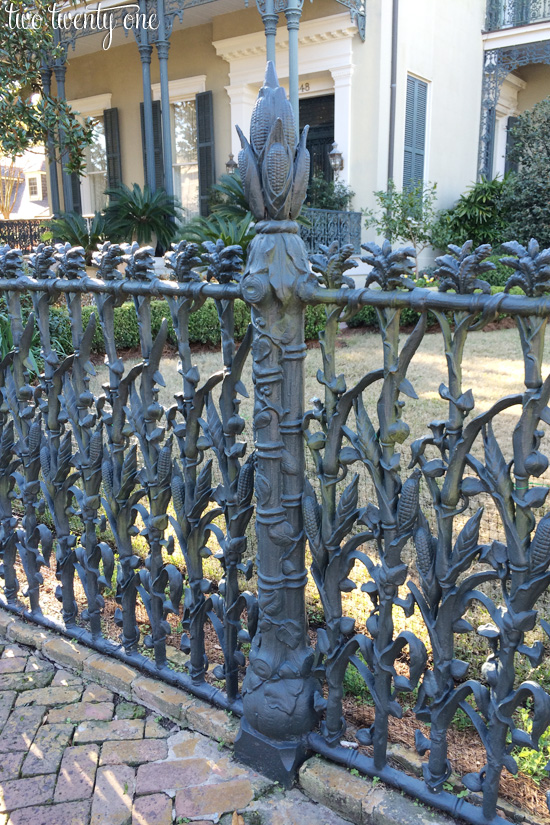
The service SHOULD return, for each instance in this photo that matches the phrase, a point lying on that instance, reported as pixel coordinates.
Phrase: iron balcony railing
(503, 14)
(328, 225)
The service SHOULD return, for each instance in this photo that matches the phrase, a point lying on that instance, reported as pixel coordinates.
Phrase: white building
(461, 72)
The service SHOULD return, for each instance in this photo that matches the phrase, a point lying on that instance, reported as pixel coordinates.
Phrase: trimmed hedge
(204, 325)
(367, 317)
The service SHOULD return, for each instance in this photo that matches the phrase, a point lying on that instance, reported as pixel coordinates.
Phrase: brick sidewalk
(74, 753)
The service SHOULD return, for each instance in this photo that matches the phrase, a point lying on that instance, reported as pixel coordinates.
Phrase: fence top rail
(421, 300)
(123, 286)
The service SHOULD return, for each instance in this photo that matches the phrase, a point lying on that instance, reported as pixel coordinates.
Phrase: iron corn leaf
(497, 467)
(215, 428)
(129, 473)
(526, 595)
(541, 711)
(203, 491)
(466, 546)
(108, 559)
(346, 512)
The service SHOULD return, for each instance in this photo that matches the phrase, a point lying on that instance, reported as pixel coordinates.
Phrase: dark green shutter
(112, 147)
(157, 143)
(510, 166)
(75, 189)
(415, 132)
(205, 147)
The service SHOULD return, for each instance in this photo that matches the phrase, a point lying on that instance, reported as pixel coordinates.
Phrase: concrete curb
(358, 799)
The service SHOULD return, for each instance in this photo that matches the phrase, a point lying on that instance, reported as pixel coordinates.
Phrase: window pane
(95, 181)
(185, 132)
(98, 185)
(186, 188)
(33, 187)
(186, 170)
(95, 153)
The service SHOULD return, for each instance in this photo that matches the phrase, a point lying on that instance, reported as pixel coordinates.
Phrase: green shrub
(500, 275)
(328, 194)
(69, 227)
(138, 214)
(477, 216)
(526, 201)
(316, 319)
(204, 325)
(367, 317)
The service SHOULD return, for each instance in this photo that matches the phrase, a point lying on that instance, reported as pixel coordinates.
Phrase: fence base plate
(277, 760)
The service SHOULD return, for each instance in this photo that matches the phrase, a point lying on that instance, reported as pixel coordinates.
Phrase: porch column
(53, 192)
(270, 18)
(342, 115)
(293, 13)
(145, 51)
(163, 47)
(242, 99)
(60, 69)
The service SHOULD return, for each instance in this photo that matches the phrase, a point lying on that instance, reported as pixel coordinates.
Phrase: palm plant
(137, 214)
(233, 232)
(72, 228)
(227, 197)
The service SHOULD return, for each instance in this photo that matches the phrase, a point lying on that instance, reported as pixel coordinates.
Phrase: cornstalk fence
(147, 468)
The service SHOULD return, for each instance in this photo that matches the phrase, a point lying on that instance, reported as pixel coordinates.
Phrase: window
(185, 156)
(36, 186)
(94, 183)
(415, 132)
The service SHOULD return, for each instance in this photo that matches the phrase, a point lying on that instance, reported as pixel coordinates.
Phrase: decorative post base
(279, 761)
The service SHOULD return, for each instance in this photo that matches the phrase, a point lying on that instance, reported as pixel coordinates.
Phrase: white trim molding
(517, 36)
(91, 106)
(326, 46)
(183, 89)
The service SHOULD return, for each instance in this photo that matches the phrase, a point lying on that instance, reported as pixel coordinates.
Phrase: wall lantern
(336, 158)
(231, 165)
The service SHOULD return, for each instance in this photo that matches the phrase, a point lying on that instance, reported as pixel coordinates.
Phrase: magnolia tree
(27, 114)
(526, 198)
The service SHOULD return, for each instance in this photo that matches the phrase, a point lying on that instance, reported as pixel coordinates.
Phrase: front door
(318, 112)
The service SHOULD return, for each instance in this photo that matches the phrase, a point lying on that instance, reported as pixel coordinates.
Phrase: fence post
(279, 687)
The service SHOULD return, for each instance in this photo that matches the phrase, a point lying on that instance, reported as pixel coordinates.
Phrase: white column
(242, 99)
(342, 115)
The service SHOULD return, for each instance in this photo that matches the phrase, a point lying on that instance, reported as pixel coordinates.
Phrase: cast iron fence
(329, 225)
(122, 454)
(502, 14)
(22, 234)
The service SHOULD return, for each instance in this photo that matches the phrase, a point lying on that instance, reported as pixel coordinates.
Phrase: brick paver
(17, 793)
(68, 813)
(77, 752)
(100, 731)
(21, 727)
(134, 751)
(114, 791)
(155, 809)
(47, 749)
(77, 775)
(82, 712)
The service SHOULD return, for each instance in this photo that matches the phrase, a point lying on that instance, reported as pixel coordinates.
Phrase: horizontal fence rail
(182, 479)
